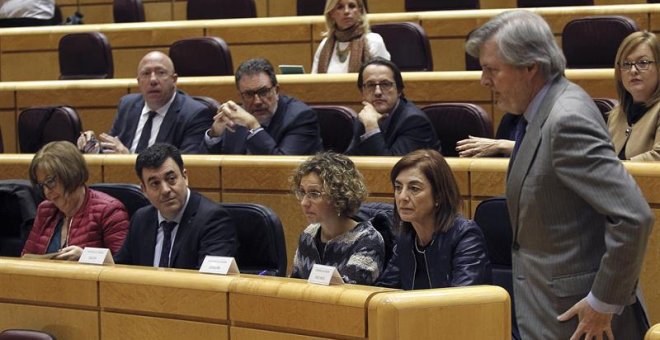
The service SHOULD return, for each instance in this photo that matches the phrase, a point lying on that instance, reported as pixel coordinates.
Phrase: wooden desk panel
(293, 306)
(165, 292)
(444, 313)
(15, 166)
(63, 323)
(34, 282)
(137, 327)
(241, 333)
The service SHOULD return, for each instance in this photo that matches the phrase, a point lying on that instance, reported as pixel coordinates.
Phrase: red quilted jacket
(102, 221)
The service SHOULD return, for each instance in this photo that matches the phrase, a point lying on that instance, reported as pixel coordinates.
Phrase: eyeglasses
(384, 86)
(640, 65)
(160, 74)
(49, 183)
(312, 195)
(263, 93)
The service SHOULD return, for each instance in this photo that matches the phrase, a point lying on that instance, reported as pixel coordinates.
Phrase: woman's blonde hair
(330, 23)
(628, 44)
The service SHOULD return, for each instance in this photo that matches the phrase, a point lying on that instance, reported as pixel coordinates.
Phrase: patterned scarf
(359, 53)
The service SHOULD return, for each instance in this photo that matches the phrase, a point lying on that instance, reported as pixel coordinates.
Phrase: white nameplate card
(221, 265)
(91, 255)
(324, 275)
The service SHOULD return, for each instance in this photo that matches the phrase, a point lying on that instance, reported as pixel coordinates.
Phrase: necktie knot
(168, 227)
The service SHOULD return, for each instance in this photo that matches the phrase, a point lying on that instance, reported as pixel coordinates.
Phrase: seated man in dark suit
(267, 123)
(180, 227)
(158, 114)
(389, 125)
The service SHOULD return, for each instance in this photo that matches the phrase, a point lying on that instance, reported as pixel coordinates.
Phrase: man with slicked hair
(580, 222)
(158, 114)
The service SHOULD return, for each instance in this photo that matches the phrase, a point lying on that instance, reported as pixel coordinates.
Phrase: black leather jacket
(455, 258)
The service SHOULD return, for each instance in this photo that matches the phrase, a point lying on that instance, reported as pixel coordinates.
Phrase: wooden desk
(96, 100)
(100, 11)
(31, 53)
(73, 301)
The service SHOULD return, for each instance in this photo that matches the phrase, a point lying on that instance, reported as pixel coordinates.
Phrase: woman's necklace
(342, 54)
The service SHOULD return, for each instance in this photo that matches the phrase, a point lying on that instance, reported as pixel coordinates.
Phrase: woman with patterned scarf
(348, 41)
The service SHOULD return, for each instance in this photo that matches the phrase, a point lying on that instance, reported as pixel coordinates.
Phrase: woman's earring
(436, 204)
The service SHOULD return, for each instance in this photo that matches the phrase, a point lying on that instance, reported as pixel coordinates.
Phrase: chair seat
(415, 54)
(38, 126)
(456, 121)
(336, 124)
(202, 56)
(85, 55)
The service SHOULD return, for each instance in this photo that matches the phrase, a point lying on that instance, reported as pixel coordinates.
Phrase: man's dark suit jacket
(205, 229)
(184, 124)
(293, 130)
(402, 131)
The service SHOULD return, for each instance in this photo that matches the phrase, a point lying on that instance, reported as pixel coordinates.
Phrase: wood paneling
(63, 323)
(136, 327)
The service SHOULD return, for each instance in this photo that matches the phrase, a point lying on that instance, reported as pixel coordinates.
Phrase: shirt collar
(162, 110)
(534, 105)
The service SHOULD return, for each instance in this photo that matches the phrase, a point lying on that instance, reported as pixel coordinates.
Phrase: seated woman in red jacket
(73, 216)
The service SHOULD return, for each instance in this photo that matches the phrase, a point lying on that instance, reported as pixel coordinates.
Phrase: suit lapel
(151, 231)
(185, 227)
(167, 126)
(132, 123)
(524, 159)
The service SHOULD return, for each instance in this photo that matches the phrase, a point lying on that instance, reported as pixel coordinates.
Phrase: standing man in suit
(267, 123)
(158, 114)
(580, 222)
(180, 227)
(389, 125)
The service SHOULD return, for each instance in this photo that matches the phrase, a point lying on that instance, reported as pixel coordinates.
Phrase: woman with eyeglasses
(330, 190)
(348, 42)
(73, 216)
(436, 246)
(635, 123)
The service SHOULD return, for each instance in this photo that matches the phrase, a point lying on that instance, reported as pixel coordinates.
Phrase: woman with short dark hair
(436, 246)
(73, 216)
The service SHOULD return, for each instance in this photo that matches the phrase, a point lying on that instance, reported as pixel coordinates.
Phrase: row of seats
(452, 122)
(260, 233)
(133, 10)
(88, 55)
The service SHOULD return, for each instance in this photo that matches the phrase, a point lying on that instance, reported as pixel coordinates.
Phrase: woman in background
(635, 123)
(348, 42)
(436, 246)
(330, 190)
(73, 216)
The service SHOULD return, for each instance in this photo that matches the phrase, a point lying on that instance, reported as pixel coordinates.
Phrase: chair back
(440, 5)
(18, 208)
(128, 10)
(209, 102)
(415, 54)
(492, 216)
(2, 145)
(316, 7)
(381, 216)
(262, 248)
(336, 124)
(456, 121)
(129, 194)
(605, 106)
(25, 334)
(471, 63)
(583, 36)
(220, 9)
(85, 55)
(553, 3)
(38, 126)
(202, 56)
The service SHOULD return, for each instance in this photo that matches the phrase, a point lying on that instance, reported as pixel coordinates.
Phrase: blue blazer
(206, 229)
(402, 131)
(293, 130)
(184, 124)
